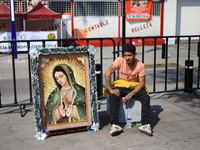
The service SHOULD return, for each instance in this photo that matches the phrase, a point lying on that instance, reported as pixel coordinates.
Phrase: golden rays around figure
(77, 64)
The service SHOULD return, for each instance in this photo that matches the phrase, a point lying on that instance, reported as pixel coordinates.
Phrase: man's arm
(136, 90)
(108, 74)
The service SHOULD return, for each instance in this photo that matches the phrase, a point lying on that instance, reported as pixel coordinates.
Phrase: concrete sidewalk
(175, 119)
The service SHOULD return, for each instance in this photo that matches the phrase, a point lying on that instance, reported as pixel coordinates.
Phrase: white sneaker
(115, 129)
(146, 129)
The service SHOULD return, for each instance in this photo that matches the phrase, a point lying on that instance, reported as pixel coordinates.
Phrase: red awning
(5, 11)
(41, 12)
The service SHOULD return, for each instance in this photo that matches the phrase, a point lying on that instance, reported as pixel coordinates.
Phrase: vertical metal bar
(130, 41)
(113, 45)
(29, 71)
(189, 40)
(198, 73)
(142, 50)
(163, 51)
(0, 87)
(73, 43)
(87, 41)
(161, 17)
(0, 95)
(72, 21)
(117, 50)
(188, 72)
(166, 62)
(114, 52)
(101, 53)
(14, 76)
(119, 14)
(177, 63)
(59, 43)
(154, 76)
(198, 49)
(114, 56)
(101, 62)
(118, 45)
(43, 44)
(198, 54)
(123, 23)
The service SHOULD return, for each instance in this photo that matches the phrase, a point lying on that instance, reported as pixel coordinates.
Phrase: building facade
(103, 18)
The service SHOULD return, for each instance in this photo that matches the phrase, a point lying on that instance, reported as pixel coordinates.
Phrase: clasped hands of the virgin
(65, 103)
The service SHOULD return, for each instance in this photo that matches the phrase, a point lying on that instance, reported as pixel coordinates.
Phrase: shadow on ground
(154, 113)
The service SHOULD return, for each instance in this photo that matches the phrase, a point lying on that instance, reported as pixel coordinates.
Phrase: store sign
(141, 27)
(22, 46)
(138, 10)
(99, 25)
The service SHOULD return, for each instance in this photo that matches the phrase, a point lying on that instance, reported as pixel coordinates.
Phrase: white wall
(181, 17)
(101, 26)
(109, 27)
(143, 28)
(169, 22)
(188, 17)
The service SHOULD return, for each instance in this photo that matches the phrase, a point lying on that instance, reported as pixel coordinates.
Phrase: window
(17, 8)
(60, 6)
(95, 8)
(156, 9)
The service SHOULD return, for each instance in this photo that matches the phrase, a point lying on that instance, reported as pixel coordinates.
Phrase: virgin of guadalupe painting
(65, 92)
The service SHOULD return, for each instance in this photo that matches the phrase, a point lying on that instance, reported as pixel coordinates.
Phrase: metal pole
(123, 23)
(163, 51)
(61, 27)
(13, 29)
(188, 75)
(161, 18)
(72, 21)
(119, 14)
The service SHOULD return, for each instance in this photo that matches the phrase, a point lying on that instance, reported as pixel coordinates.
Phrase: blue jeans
(115, 105)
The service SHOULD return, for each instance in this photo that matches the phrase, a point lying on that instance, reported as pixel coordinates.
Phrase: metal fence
(181, 55)
(184, 51)
(69, 42)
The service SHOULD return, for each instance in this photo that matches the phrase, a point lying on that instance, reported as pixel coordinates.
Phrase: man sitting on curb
(132, 70)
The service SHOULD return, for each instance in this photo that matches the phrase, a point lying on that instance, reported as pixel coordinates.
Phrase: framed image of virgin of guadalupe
(64, 89)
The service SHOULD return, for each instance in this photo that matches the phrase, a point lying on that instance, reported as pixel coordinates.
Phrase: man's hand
(127, 99)
(116, 92)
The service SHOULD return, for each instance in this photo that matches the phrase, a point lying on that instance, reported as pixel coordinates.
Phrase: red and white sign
(138, 10)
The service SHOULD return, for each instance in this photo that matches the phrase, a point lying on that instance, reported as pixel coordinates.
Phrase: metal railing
(165, 51)
(22, 105)
(164, 47)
